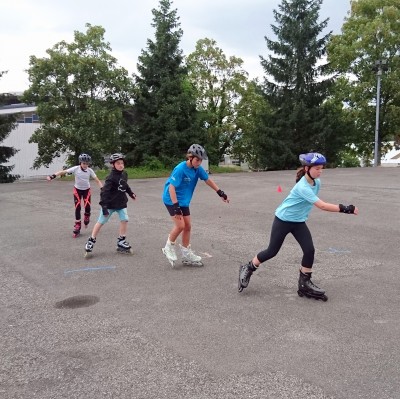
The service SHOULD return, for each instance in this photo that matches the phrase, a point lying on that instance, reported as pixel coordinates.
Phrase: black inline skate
(123, 246)
(245, 272)
(89, 246)
(308, 289)
(77, 229)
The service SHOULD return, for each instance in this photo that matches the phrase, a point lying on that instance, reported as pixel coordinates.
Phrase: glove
(105, 211)
(346, 208)
(177, 209)
(133, 196)
(222, 194)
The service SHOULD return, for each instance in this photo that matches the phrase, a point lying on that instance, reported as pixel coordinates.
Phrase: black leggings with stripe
(78, 196)
(300, 232)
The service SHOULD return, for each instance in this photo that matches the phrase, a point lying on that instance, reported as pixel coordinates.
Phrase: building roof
(17, 108)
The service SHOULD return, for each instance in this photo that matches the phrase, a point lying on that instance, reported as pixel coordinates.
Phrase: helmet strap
(308, 173)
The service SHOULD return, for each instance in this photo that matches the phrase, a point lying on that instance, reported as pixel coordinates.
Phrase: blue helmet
(312, 159)
(85, 158)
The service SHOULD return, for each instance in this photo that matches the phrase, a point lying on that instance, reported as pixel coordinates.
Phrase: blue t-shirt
(297, 205)
(184, 179)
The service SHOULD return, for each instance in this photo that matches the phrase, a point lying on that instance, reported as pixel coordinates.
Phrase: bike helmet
(85, 158)
(116, 157)
(312, 159)
(197, 151)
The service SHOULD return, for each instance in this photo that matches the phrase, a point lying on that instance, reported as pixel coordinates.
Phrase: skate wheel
(299, 293)
(240, 288)
(88, 254)
(324, 298)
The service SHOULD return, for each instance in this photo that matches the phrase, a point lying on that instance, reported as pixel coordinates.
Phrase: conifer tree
(7, 124)
(295, 85)
(165, 105)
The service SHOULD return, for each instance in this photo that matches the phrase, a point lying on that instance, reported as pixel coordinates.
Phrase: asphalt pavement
(130, 326)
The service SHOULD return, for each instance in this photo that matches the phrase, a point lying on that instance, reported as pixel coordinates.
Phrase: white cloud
(30, 28)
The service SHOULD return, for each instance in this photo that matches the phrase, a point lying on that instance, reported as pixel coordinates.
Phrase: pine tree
(295, 85)
(165, 107)
(7, 124)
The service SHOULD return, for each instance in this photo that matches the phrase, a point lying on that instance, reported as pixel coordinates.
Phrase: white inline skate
(89, 247)
(189, 258)
(169, 252)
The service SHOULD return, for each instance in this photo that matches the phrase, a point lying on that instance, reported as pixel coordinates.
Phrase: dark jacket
(113, 194)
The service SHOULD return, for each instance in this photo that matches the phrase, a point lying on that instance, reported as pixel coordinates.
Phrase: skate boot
(77, 229)
(169, 252)
(309, 289)
(89, 246)
(86, 219)
(245, 272)
(123, 246)
(189, 258)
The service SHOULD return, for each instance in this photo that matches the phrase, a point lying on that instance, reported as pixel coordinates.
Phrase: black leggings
(300, 232)
(78, 196)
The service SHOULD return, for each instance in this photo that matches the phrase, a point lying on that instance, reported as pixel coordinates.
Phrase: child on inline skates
(290, 217)
(177, 194)
(113, 199)
(82, 174)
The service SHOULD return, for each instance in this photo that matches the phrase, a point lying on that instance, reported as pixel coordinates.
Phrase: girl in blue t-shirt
(177, 194)
(290, 217)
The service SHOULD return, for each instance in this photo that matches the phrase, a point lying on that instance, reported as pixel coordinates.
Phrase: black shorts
(185, 210)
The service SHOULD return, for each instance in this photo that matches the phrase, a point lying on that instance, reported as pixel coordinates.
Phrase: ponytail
(300, 173)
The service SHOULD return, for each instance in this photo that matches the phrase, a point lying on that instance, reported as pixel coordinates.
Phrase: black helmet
(197, 151)
(115, 157)
(312, 159)
(85, 158)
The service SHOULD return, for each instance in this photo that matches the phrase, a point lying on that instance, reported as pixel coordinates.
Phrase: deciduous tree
(80, 92)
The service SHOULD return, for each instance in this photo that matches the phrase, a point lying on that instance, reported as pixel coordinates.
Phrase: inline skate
(77, 229)
(123, 246)
(189, 258)
(169, 252)
(308, 289)
(89, 246)
(245, 272)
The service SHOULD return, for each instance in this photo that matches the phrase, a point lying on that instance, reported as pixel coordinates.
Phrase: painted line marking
(338, 251)
(90, 269)
(206, 254)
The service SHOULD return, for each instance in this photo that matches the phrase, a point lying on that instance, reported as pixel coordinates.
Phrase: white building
(27, 123)
(391, 158)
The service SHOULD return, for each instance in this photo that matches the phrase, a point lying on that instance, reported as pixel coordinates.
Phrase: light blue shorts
(122, 213)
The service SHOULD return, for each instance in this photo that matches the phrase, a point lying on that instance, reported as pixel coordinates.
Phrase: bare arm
(59, 173)
(172, 194)
(99, 183)
(212, 184)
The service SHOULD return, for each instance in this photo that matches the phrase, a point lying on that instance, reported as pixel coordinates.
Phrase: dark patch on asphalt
(79, 301)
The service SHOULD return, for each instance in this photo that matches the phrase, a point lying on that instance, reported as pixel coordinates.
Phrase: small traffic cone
(279, 189)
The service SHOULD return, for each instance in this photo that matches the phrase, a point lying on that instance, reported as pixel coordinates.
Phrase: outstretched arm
(326, 206)
(212, 184)
(59, 173)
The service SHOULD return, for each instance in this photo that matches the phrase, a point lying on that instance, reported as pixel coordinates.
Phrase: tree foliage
(221, 84)
(371, 33)
(297, 86)
(80, 93)
(7, 124)
(165, 108)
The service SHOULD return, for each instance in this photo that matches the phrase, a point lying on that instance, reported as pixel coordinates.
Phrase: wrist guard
(177, 209)
(105, 211)
(132, 195)
(346, 208)
(222, 194)
(53, 176)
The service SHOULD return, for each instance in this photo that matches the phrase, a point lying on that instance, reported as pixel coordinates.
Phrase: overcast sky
(238, 26)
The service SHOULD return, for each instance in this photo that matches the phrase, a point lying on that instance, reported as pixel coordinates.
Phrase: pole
(378, 101)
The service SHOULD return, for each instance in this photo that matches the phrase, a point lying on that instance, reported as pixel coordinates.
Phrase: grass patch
(146, 173)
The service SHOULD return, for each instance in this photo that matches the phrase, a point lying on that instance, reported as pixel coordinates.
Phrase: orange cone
(279, 189)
